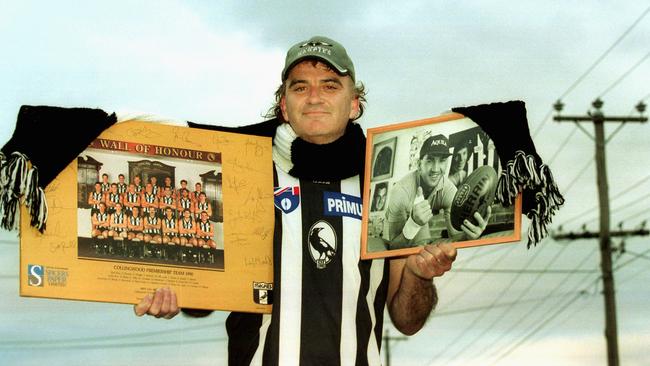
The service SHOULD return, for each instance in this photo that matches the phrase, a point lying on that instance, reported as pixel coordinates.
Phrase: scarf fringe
(523, 173)
(19, 184)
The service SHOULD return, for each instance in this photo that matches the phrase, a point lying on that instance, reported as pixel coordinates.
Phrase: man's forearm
(412, 303)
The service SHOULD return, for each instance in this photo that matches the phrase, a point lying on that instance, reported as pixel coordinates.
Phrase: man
(112, 198)
(149, 201)
(422, 194)
(106, 185)
(329, 312)
(95, 198)
(131, 199)
(121, 184)
(458, 169)
(379, 199)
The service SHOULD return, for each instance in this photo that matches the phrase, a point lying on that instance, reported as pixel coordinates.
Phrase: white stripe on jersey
(291, 277)
(351, 278)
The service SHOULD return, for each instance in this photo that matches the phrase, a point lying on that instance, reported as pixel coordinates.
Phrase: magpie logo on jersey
(286, 199)
(322, 243)
(339, 204)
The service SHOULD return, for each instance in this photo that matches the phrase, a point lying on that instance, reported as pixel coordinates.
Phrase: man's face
(98, 187)
(136, 180)
(132, 188)
(431, 168)
(197, 186)
(121, 178)
(105, 178)
(318, 102)
(380, 199)
(460, 158)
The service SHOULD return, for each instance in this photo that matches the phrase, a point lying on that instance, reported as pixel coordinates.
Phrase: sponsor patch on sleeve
(339, 204)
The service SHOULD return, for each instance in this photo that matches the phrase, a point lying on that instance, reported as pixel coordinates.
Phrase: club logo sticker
(263, 293)
(35, 275)
(286, 199)
(322, 243)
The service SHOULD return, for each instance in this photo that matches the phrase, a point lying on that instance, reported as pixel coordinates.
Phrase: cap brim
(329, 62)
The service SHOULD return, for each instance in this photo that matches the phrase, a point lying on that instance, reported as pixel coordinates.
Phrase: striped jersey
(328, 305)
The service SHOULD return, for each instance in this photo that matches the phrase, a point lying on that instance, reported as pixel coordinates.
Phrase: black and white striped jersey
(328, 305)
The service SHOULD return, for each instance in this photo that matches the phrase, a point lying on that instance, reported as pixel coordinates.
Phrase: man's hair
(276, 112)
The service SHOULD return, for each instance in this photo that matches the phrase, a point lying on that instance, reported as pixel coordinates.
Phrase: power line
(485, 251)
(176, 342)
(625, 74)
(104, 338)
(523, 271)
(561, 309)
(466, 290)
(623, 207)
(578, 176)
(500, 305)
(504, 312)
(525, 315)
(563, 145)
(463, 292)
(484, 312)
(600, 59)
(613, 198)
(541, 325)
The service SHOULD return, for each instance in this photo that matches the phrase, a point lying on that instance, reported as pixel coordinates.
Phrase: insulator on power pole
(640, 107)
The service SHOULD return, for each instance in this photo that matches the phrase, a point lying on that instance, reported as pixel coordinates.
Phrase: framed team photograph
(383, 158)
(148, 205)
(135, 204)
(441, 189)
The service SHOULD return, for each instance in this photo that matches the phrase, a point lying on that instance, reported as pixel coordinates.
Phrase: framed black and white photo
(383, 158)
(439, 187)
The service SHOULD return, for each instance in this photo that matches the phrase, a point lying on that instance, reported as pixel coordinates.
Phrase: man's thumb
(419, 195)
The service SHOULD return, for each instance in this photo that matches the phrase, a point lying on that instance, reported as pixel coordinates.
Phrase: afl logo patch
(286, 199)
(322, 243)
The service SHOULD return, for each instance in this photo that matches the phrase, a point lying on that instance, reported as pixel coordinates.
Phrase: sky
(220, 62)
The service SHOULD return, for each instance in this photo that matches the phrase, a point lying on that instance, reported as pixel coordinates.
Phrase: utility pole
(598, 119)
(387, 341)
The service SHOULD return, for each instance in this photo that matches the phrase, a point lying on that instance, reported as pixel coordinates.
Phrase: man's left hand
(474, 231)
(431, 261)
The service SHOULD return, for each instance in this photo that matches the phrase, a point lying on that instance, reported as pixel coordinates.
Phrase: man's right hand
(421, 212)
(162, 304)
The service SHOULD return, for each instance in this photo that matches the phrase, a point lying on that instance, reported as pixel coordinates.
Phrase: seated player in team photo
(100, 224)
(135, 233)
(205, 231)
(152, 227)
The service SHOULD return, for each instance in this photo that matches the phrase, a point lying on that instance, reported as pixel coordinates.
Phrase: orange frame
(371, 135)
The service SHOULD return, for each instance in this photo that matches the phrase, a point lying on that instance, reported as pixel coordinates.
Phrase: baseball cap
(321, 48)
(435, 145)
